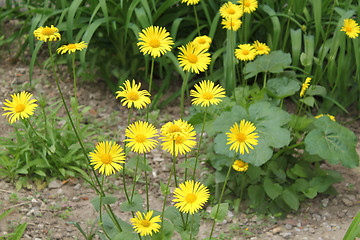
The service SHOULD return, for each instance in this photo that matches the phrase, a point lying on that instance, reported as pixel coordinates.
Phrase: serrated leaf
(221, 213)
(275, 62)
(259, 155)
(135, 205)
(282, 87)
(332, 142)
(291, 199)
(273, 190)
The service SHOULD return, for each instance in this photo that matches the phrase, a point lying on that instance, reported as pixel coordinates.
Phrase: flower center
(247, 4)
(106, 158)
(231, 11)
(140, 138)
(19, 108)
(71, 46)
(174, 129)
(240, 164)
(47, 31)
(190, 198)
(201, 41)
(245, 52)
(133, 96)
(240, 137)
(208, 95)
(179, 139)
(192, 58)
(155, 43)
(348, 28)
(145, 223)
(260, 48)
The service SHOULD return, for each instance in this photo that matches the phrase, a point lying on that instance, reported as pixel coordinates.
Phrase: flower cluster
(305, 86)
(351, 28)
(248, 52)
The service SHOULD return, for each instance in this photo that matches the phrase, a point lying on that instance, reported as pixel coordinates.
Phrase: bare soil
(49, 211)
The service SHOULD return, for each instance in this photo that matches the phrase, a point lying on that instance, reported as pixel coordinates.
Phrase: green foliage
(24, 157)
(19, 229)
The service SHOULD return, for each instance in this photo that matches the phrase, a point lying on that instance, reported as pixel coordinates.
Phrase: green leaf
(316, 90)
(4, 214)
(273, 190)
(19, 231)
(299, 170)
(310, 192)
(164, 189)
(256, 194)
(291, 199)
(300, 122)
(221, 213)
(275, 62)
(282, 87)
(135, 205)
(109, 199)
(332, 142)
(309, 100)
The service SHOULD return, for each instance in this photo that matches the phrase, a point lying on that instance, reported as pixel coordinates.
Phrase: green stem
(72, 124)
(242, 188)
(197, 21)
(198, 150)
(183, 93)
(191, 227)
(41, 140)
(101, 221)
(146, 186)
(276, 155)
(123, 165)
(221, 195)
(151, 74)
(76, 110)
(265, 76)
(134, 183)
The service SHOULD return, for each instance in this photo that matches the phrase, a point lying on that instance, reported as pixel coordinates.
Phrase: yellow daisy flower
(47, 33)
(194, 58)
(139, 136)
(305, 86)
(146, 225)
(231, 10)
(72, 47)
(108, 157)
(261, 48)
(181, 133)
(190, 197)
(240, 166)
(231, 24)
(351, 28)
(242, 136)
(245, 52)
(330, 116)
(131, 95)
(21, 106)
(248, 5)
(190, 2)
(206, 94)
(155, 41)
(203, 42)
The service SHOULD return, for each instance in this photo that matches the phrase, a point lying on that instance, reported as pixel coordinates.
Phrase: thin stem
(134, 183)
(198, 150)
(265, 76)
(197, 21)
(101, 221)
(146, 186)
(76, 110)
(151, 74)
(242, 188)
(191, 227)
(72, 124)
(222, 192)
(183, 93)
(123, 165)
(42, 141)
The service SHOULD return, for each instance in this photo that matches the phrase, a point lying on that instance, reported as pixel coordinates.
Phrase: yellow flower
(351, 28)
(261, 48)
(242, 136)
(194, 58)
(155, 41)
(139, 136)
(231, 10)
(146, 225)
(305, 86)
(21, 106)
(231, 24)
(190, 197)
(72, 47)
(330, 116)
(248, 5)
(131, 95)
(207, 94)
(179, 133)
(47, 33)
(245, 52)
(190, 2)
(108, 157)
(240, 166)
(203, 42)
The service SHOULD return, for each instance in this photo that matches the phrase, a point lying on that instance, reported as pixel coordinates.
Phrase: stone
(347, 202)
(325, 202)
(276, 230)
(54, 184)
(77, 186)
(288, 226)
(316, 217)
(286, 235)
